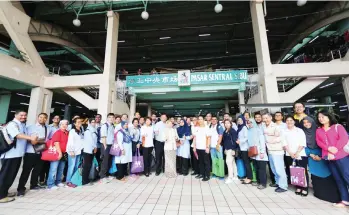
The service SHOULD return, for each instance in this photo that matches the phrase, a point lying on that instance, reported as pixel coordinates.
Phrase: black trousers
(194, 162)
(160, 156)
(44, 171)
(98, 157)
(86, 167)
(8, 173)
(33, 164)
(261, 171)
(106, 161)
(247, 164)
(204, 162)
(147, 159)
(302, 163)
(122, 169)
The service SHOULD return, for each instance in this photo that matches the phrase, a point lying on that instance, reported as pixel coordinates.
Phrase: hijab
(240, 127)
(253, 133)
(183, 130)
(126, 135)
(310, 133)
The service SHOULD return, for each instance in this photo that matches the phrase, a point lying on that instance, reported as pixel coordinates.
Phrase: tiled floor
(160, 195)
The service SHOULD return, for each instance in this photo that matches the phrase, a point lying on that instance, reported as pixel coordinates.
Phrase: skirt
(170, 163)
(325, 189)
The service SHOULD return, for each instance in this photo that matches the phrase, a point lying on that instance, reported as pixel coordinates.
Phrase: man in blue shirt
(11, 160)
(107, 140)
(54, 126)
(32, 162)
(216, 134)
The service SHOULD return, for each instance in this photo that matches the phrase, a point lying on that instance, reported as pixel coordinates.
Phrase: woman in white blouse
(90, 148)
(74, 147)
(124, 141)
(147, 133)
(294, 144)
(170, 147)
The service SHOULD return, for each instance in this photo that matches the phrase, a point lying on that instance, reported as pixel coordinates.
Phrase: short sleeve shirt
(107, 131)
(148, 132)
(38, 130)
(201, 134)
(15, 128)
(52, 129)
(61, 137)
(214, 133)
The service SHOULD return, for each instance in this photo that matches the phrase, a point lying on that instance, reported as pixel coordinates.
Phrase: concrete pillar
(226, 107)
(149, 110)
(345, 83)
(132, 106)
(40, 102)
(4, 105)
(268, 89)
(67, 112)
(242, 101)
(107, 89)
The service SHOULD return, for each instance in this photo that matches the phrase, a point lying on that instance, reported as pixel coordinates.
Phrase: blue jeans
(340, 172)
(217, 154)
(277, 165)
(55, 174)
(73, 164)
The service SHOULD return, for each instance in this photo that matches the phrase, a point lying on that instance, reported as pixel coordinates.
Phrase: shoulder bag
(115, 149)
(40, 147)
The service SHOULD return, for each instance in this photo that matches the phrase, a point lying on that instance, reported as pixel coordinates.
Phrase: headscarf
(126, 135)
(310, 133)
(240, 127)
(253, 133)
(183, 130)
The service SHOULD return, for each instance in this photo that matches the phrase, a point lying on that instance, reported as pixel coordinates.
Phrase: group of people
(206, 145)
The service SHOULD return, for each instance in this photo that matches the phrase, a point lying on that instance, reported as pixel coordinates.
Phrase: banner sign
(236, 76)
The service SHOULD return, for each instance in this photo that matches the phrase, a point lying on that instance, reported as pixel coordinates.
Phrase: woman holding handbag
(243, 144)
(74, 148)
(230, 149)
(90, 148)
(170, 147)
(124, 140)
(294, 144)
(60, 140)
(331, 138)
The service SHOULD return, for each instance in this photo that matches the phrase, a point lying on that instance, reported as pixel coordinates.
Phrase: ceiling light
(327, 85)
(205, 104)
(267, 30)
(300, 3)
(218, 8)
(204, 35)
(121, 41)
(19, 94)
(12, 111)
(343, 110)
(314, 39)
(316, 78)
(60, 103)
(24, 104)
(78, 106)
(334, 102)
(77, 22)
(158, 93)
(145, 15)
(164, 38)
(210, 91)
(311, 100)
(168, 106)
(344, 106)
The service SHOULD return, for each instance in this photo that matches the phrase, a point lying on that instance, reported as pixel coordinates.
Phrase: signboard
(233, 76)
(183, 78)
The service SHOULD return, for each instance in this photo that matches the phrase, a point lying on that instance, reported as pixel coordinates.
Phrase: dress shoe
(157, 174)
(194, 173)
(280, 190)
(273, 185)
(199, 176)
(206, 179)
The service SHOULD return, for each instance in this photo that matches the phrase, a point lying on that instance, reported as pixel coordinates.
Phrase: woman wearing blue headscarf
(243, 144)
(124, 140)
(183, 151)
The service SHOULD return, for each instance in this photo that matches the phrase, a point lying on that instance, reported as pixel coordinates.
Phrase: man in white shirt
(159, 130)
(279, 121)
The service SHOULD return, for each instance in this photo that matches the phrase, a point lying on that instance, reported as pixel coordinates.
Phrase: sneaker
(103, 181)
(60, 185)
(7, 199)
(71, 185)
(110, 178)
(261, 187)
(42, 185)
(280, 190)
(236, 179)
(228, 181)
(206, 179)
(255, 184)
(20, 193)
(35, 188)
(53, 188)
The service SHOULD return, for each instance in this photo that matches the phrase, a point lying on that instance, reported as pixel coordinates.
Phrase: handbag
(252, 151)
(137, 163)
(50, 154)
(113, 169)
(40, 147)
(115, 149)
(298, 175)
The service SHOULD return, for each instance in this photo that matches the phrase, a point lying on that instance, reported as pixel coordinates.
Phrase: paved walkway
(160, 195)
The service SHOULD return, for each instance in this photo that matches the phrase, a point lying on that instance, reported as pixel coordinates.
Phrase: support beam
(149, 110)
(268, 90)
(67, 113)
(132, 107)
(56, 81)
(82, 97)
(107, 94)
(226, 107)
(40, 102)
(242, 102)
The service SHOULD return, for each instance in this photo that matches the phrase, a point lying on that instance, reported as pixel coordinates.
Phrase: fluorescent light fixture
(24, 104)
(311, 100)
(289, 56)
(315, 78)
(210, 91)
(205, 104)
(158, 93)
(334, 102)
(60, 103)
(12, 111)
(164, 38)
(121, 41)
(267, 30)
(344, 106)
(19, 94)
(343, 110)
(78, 106)
(62, 110)
(327, 85)
(168, 106)
(204, 35)
(314, 39)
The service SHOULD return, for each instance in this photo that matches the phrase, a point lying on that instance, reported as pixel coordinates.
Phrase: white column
(226, 107)
(268, 89)
(132, 106)
(107, 90)
(40, 102)
(149, 110)
(345, 83)
(242, 101)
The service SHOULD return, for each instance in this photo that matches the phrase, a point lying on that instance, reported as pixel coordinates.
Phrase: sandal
(304, 193)
(298, 192)
(244, 182)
